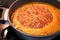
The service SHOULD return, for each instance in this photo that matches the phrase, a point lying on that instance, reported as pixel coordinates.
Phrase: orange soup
(37, 19)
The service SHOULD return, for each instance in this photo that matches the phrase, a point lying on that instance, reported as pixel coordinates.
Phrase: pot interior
(22, 2)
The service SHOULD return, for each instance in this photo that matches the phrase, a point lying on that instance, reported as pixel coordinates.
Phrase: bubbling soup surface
(36, 19)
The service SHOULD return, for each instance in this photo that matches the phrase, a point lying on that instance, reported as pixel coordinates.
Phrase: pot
(7, 12)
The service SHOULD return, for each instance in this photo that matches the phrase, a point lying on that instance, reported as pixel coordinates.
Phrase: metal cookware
(7, 12)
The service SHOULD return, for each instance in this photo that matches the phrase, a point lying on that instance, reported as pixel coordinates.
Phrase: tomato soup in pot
(36, 19)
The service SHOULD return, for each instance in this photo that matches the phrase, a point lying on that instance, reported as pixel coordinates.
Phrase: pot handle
(4, 13)
(3, 22)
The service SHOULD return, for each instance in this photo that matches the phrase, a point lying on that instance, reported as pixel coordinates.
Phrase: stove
(11, 35)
